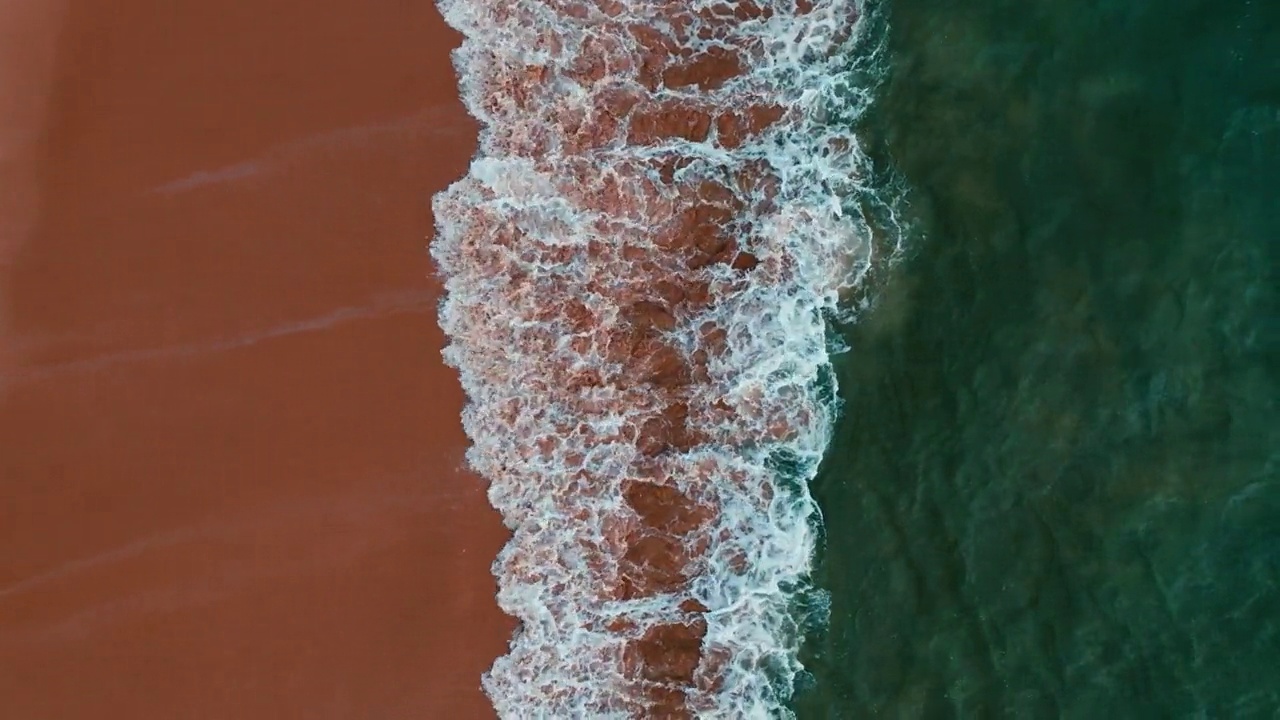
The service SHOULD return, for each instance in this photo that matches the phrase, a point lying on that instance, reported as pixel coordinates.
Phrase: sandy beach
(231, 456)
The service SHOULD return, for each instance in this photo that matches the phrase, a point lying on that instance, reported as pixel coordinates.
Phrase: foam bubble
(639, 266)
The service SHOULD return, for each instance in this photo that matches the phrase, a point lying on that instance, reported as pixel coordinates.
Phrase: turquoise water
(1055, 491)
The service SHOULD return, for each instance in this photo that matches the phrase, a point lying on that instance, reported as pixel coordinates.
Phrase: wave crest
(639, 266)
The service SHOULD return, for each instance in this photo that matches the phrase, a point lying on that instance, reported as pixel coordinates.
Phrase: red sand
(230, 457)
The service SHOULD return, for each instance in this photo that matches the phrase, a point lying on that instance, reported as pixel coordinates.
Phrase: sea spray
(640, 266)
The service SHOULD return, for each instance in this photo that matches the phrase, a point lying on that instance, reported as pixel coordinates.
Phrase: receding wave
(640, 266)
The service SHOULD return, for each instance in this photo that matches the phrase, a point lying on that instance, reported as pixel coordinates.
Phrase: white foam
(573, 213)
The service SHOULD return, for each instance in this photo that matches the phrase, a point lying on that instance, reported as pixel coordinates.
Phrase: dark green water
(1055, 491)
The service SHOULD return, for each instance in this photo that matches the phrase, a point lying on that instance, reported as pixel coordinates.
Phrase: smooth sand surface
(230, 455)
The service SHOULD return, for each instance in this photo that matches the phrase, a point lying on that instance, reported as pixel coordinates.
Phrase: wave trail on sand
(639, 268)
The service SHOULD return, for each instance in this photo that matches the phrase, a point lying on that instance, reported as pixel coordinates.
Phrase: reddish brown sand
(230, 456)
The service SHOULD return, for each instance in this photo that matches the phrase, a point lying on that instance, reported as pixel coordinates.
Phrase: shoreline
(234, 452)
(640, 263)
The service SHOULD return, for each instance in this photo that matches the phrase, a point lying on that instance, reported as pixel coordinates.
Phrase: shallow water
(1054, 491)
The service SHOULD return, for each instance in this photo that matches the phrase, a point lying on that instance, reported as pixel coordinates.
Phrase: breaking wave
(640, 265)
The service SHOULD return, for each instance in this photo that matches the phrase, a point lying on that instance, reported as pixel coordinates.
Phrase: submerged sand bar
(640, 265)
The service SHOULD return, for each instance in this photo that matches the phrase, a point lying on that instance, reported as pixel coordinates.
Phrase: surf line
(639, 267)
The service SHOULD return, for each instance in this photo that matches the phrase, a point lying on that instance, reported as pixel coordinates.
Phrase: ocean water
(973, 303)
(1054, 488)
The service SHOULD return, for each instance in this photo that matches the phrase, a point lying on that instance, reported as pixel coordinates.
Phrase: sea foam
(640, 266)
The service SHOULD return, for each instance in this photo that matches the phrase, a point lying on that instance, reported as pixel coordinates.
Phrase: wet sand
(231, 456)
